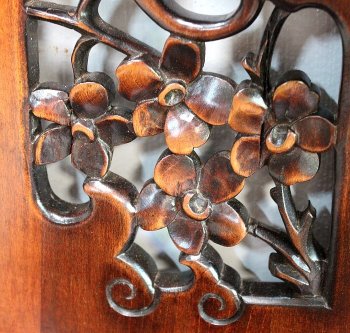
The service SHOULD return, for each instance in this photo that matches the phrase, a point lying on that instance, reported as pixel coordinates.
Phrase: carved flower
(293, 133)
(195, 203)
(84, 125)
(175, 96)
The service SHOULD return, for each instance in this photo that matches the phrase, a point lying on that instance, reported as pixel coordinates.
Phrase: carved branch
(258, 66)
(80, 55)
(86, 22)
(297, 260)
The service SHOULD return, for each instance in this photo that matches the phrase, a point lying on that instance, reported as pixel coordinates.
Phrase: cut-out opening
(128, 17)
(208, 7)
(159, 245)
(224, 56)
(314, 46)
(66, 181)
(56, 45)
(136, 160)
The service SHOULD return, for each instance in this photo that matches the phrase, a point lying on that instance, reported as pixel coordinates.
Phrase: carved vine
(280, 127)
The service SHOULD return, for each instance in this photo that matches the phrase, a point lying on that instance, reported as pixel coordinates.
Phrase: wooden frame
(43, 287)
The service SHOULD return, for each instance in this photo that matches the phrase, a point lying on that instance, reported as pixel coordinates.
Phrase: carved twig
(86, 20)
(297, 261)
(258, 66)
(80, 55)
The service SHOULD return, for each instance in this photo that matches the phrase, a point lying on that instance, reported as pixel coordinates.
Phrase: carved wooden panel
(90, 258)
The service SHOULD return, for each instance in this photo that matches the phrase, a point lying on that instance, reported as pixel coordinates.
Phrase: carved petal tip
(137, 80)
(182, 59)
(218, 182)
(188, 235)
(210, 98)
(155, 209)
(296, 166)
(176, 174)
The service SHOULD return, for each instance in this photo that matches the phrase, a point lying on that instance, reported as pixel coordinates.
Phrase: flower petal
(53, 145)
(227, 223)
(89, 99)
(218, 182)
(210, 98)
(182, 59)
(188, 235)
(51, 105)
(248, 111)
(315, 134)
(137, 80)
(155, 209)
(176, 174)
(296, 166)
(245, 155)
(184, 130)
(114, 127)
(149, 118)
(293, 100)
(92, 158)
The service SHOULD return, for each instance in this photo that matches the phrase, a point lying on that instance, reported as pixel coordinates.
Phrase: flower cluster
(281, 129)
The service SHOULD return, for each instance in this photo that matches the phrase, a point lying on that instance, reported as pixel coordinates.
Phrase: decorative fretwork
(281, 127)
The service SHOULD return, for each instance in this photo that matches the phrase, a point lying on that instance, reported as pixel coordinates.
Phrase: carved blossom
(194, 202)
(287, 137)
(84, 125)
(175, 96)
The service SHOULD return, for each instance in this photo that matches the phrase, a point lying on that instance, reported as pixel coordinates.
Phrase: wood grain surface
(52, 278)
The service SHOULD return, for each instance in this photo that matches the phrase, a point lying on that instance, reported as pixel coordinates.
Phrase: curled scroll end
(139, 273)
(113, 190)
(113, 196)
(221, 304)
(177, 20)
(144, 311)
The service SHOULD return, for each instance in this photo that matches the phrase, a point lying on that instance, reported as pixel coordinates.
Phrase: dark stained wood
(54, 277)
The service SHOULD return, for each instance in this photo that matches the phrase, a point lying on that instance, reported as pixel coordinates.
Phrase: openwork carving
(281, 127)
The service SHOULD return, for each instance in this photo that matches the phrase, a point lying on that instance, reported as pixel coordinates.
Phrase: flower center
(196, 206)
(172, 94)
(281, 139)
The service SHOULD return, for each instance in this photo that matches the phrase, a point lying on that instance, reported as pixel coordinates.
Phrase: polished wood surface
(53, 277)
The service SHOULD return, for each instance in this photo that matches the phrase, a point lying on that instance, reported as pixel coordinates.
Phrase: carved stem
(86, 22)
(259, 66)
(297, 262)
